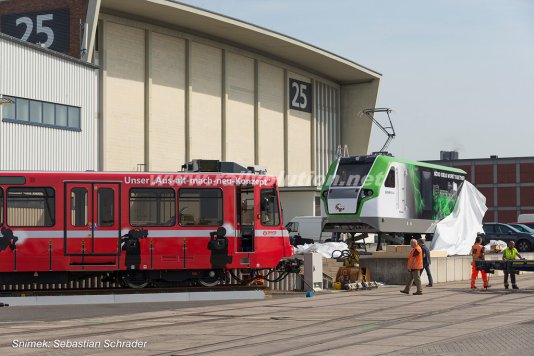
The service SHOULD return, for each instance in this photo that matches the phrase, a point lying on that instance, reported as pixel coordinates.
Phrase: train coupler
(292, 265)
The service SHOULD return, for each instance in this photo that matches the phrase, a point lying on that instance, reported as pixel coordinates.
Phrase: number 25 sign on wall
(50, 28)
(300, 95)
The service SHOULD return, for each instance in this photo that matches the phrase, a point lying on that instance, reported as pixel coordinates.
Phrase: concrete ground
(448, 319)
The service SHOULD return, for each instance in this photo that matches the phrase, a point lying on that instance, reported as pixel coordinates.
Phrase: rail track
(97, 283)
(148, 290)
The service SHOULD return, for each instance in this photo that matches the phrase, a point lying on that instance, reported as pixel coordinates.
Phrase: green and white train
(387, 195)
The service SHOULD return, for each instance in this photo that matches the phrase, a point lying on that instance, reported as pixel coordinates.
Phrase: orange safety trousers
(474, 275)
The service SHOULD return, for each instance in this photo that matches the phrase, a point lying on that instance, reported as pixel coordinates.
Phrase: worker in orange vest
(478, 252)
(415, 265)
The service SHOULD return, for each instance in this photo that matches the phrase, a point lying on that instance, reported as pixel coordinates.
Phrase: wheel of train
(135, 279)
(210, 279)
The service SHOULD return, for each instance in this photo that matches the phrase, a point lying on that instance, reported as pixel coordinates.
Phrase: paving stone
(443, 321)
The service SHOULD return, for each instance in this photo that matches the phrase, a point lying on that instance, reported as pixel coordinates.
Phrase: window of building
(78, 207)
(61, 115)
(49, 114)
(73, 116)
(28, 207)
(390, 179)
(106, 207)
(152, 207)
(8, 111)
(40, 113)
(200, 207)
(22, 109)
(270, 215)
(36, 111)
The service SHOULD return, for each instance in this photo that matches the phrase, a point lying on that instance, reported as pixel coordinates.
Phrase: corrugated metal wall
(327, 127)
(31, 73)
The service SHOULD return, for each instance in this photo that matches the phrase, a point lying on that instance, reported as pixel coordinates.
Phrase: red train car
(138, 228)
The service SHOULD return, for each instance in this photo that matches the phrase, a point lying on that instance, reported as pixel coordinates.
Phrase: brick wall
(489, 217)
(506, 186)
(488, 193)
(484, 174)
(506, 197)
(77, 11)
(527, 196)
(506, 173)
(507, 216)
(527, 172)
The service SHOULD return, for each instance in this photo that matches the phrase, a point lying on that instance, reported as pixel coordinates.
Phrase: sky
(458, 74)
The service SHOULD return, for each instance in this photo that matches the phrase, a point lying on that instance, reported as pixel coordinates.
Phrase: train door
(267, 227)
(245, 213)
(401, 188)
(389, 199)
(92, 224)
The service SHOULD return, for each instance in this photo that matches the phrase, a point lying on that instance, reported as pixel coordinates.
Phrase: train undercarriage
(142, 278)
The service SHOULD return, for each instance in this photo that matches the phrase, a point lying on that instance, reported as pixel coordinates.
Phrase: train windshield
(351, 174)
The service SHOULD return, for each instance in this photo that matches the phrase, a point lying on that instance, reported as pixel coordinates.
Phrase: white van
(526, 219)
(308, 227)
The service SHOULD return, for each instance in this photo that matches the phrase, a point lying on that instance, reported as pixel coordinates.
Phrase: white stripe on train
(53, 234)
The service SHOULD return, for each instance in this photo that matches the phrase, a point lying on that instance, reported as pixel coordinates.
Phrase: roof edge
(268, 32)
(47, 51)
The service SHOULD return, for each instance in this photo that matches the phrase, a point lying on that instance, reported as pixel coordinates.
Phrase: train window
(106, 207)
(78, 207)
(152, 207)
(351, 174)
(27, 207)
(426, 190)
(200, 207)
(390, 179)
(246, 199)
(1, 206)
(270, 215)
(12, 180)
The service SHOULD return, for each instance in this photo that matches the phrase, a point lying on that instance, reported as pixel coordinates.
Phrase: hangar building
(177, 83)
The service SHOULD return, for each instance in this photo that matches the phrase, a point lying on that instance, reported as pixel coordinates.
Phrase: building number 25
(300, 95)
(299, 98)
(40, 27)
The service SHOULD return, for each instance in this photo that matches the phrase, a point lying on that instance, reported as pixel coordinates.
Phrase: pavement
(448, 319)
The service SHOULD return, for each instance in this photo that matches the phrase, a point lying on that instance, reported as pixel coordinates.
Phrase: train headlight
(367, 192)
(325, 194)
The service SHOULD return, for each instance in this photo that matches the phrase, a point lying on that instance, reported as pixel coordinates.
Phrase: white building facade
(51, 124)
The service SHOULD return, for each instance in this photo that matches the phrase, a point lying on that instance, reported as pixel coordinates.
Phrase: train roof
(14, 172)
(387, 158)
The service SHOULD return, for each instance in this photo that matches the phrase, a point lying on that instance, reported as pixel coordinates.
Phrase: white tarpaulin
(326, 249)
(457, 232)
